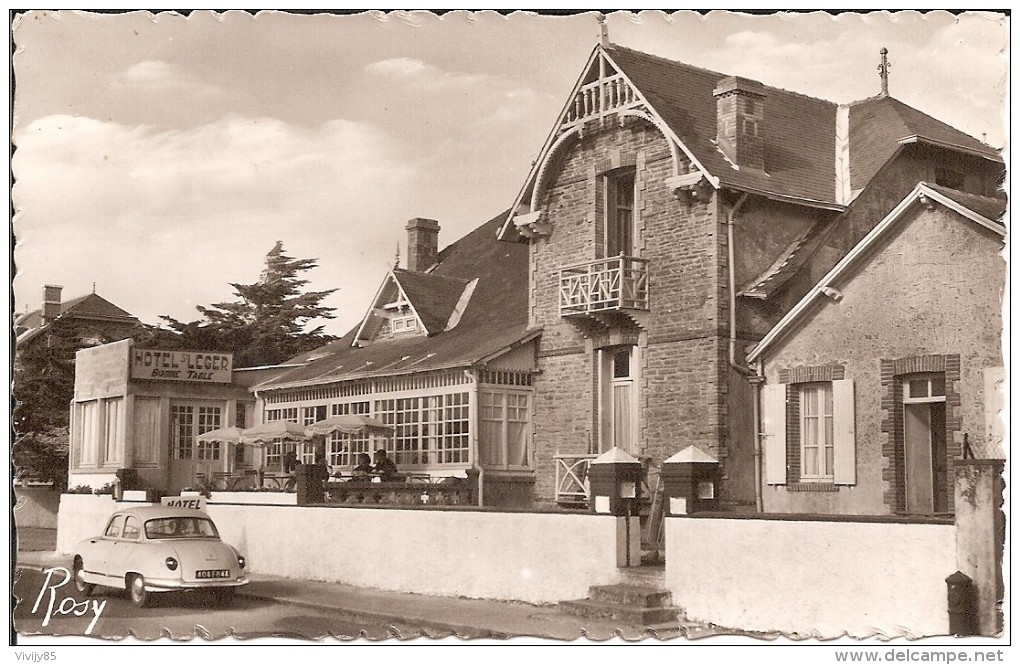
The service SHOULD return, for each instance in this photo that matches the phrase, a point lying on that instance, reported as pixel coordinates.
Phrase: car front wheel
(79, 578)
(136, 587)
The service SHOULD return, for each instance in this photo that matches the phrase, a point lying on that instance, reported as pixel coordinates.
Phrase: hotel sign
(196, 366)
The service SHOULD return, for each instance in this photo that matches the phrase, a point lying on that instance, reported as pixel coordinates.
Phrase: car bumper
(182, 585)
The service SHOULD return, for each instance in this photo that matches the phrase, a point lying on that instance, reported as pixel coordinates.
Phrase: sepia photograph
(510, 328)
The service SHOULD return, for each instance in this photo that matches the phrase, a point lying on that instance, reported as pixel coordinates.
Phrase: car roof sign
(197, 502)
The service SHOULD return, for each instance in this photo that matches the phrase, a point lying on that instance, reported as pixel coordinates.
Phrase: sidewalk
(431, 616)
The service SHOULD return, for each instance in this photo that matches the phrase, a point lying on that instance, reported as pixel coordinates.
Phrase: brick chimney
(422, 244)
(740, 121)
(50, 303)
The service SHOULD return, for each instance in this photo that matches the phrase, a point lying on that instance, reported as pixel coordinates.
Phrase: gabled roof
(959, 202)
(433, 296)
(800, 132)
(89, 306)
(881, 126)
(495, 318)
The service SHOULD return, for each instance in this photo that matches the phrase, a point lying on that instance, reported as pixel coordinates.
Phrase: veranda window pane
(918, 388)
(938, 387)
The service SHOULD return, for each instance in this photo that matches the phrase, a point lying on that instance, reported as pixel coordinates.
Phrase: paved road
(177, 616)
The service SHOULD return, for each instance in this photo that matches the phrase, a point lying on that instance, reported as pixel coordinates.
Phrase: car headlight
(240, 561)
(171, 563)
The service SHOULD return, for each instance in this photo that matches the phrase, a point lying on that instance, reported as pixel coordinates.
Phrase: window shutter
(995, 377)
(774, 433)
(844, 443)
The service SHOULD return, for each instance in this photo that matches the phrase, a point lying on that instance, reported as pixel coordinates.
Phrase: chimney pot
(740, 121)
(51, 303)
(422, 244)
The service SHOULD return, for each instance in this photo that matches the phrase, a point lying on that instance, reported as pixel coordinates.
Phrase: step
(632, 616)
(630, 594)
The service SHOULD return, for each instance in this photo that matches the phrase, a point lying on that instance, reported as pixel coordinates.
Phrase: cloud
(166, 219)
(157, 76)
(414, 73)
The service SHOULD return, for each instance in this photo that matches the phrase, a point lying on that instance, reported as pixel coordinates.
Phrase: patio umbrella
(222, 435)
(278, 430)
(349, 424)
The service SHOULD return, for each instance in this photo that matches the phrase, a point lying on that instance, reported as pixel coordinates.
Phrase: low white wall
(36, 507)
(81, 516)
(533, 557)
(821, 578)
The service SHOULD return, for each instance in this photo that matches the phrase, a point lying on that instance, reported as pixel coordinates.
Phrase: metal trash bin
(961, 597)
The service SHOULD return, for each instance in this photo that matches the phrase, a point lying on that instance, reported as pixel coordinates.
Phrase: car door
(95, 557)
(123, 547)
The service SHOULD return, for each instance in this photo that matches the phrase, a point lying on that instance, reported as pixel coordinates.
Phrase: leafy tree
(266, 324)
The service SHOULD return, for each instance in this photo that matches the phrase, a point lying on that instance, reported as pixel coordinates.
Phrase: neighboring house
(673, 216)
(443, 355)
(891, 362)
(88, 320)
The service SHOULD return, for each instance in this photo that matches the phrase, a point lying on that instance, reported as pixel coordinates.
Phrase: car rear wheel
(136, 588)
(79, 578)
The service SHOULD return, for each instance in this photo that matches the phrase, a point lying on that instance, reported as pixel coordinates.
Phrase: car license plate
(212, 574)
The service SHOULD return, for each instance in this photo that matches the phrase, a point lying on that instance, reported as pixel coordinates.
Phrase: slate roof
(968, 205)
(89, 306)
(434, 296)
(496, 317)
(800, 131)
(878, 125)
(988, 207)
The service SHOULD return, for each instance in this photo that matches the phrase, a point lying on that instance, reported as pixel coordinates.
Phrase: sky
(160, 157)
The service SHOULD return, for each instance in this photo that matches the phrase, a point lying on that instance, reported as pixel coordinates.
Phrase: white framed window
(87, 432)
(924, 389)
(145, 439)
(275, 451)
(343, 449)
(113, 410)
(404, 323)
(505, 420)
(816, 432)
(187, 421)
(432, 429)
(823, 438)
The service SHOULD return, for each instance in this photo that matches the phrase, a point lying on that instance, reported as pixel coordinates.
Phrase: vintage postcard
(404, 327)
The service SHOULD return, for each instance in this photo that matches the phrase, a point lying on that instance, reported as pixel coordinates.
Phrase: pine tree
(266, 324)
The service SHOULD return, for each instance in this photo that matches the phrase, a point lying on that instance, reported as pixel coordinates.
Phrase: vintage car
(157, 549)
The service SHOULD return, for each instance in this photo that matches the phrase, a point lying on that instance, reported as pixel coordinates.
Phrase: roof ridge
(434, 275)
(712, 71)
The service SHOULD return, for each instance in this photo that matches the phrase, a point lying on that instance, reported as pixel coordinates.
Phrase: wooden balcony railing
(600, 97)
(609, 284)
(572, 479)
(409, 493)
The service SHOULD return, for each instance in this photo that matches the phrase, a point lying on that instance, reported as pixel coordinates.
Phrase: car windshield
(180, 527)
